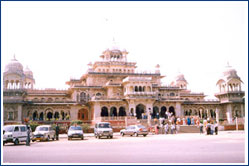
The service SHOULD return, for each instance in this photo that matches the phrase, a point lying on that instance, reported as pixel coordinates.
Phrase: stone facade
(112, 90)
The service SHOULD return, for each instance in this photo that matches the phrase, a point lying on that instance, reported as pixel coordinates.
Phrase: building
(112, 91)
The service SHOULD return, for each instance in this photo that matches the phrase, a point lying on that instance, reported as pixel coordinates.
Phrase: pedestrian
(192, 121)
(216, 128)
(28, 136)
(212, 128)
(188, 120)
(156, 129)
(172, 129)
(57, 130)
(201, 128)
(166, 128)
(177, 126)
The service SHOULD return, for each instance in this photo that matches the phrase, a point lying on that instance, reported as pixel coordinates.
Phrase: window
(172, 94)
(23, 129)
(16, 128)
(11, 116)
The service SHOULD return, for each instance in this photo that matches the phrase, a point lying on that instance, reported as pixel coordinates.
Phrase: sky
(57, 40)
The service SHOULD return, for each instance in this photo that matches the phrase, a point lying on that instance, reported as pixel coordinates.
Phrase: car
(15, 134)
(75, 132)
(44, 133)
(103, 129)
(135, 130)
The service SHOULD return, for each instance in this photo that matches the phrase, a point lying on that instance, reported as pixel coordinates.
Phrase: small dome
(230, 73)
(14, 66)
(28, 72)
(180, 77)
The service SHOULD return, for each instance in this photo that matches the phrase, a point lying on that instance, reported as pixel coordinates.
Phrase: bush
(78, 122)
(33, 125)
(85, 127)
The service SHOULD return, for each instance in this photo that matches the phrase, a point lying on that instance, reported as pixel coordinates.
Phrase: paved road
(227, 147)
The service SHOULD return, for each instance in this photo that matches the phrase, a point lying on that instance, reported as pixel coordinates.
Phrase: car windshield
(141, 126)
(104, 125)
(75, 128)
(42, 129)
(8, 128)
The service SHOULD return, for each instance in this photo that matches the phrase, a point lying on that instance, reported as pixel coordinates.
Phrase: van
(14, 134)
(103, 129)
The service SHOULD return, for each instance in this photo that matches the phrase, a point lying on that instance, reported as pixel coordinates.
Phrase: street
(227, 147)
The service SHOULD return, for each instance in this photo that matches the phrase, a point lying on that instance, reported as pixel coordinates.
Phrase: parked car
(134, 130)
(44, 132)
(75, 132)
(15, 134)
(103, 129)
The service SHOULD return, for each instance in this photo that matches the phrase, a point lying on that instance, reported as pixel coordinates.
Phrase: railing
(140, 93)
(122, 73)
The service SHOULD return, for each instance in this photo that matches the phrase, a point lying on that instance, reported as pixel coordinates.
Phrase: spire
(14, 57)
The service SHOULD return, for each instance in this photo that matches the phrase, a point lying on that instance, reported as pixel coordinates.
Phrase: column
(73, 112)
(96, 111)
(217, 115)
(19, 113)
(178, 109)
(201, 113)
(229, 113)
(149, 108)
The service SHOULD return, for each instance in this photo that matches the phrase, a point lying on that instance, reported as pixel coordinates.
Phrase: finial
(14, 57)
(228, 64)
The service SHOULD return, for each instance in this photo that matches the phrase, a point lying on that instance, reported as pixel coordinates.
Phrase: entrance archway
(163, 112)
(140, 108)
(155, 112)
(83, 114)
(35, 115)
(113, 111)
(121, 111)
(49, 115)
(104, 111)
(172, 110)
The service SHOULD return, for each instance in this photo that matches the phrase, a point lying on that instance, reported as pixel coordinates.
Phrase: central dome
(14, 66)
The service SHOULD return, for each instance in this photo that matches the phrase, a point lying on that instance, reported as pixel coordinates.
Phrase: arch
(143, 88)
(113, 111)
(131, 89)
(140, 109)
(104, 111)
(148, 89)
(35, 115)
(136, 89)
(83, 96)
(98, 94)
(163, 111)
(172, 110)
(49, 115)
(140, 89)
(83, 114)
(41, 116)
(50, 100)
(56, 115)
(121, 111)
(172, 94)
(155, 112)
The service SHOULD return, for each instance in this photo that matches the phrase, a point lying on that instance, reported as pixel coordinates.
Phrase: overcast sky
(58, 39)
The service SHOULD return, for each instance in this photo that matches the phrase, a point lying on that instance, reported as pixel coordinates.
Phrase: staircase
(189, 129)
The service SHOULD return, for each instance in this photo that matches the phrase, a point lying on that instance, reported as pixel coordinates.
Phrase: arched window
(172, 94)
(113, 111)
(121, 111)
(83, 96)
(56, 115)
(136, 89)
(155, 113)
(140, 89)
(104, 111)
(41, 116)
(35, 116)
(163, 112)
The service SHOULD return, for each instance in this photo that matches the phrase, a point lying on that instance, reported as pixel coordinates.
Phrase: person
(166, 128)
(57, 129)
(177, 126)
(28, 136)
(172, 129)
(192, 121)
(208, 128)
(188, 120)
(201, 128)
(211, 128)
(156, 129)
(216, 128)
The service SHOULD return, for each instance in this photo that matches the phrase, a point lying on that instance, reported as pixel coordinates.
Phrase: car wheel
(4, 143)
(53, 138)
(16, 142)
(48, 138)
(99, 137)
(82, 138)
(33, 140)
(136, 135)
(122, 134)
(145, 135)
(111, 136)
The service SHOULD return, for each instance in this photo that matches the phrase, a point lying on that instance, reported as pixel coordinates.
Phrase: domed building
(111, 90)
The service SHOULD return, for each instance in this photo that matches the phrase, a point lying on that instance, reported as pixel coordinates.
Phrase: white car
(44, 132)
(134, 130)
(75, 132)
(15, 134)
(103, 129)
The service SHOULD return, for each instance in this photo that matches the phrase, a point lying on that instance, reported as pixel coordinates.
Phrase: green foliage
(85, 127)
(201, 121)
(33, 125)
(221, 120)
(78, 122)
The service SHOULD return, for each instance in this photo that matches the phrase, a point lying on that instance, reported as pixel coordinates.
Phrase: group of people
(209, 127)
(168, 126)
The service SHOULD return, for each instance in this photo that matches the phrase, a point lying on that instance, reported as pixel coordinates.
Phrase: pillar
(229, 113)
(73, 112)
(19, 113)
(217, 115)
(97, 111)
(178, 109)
(149, 109)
